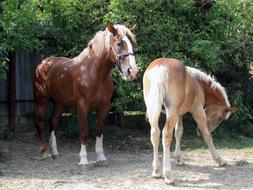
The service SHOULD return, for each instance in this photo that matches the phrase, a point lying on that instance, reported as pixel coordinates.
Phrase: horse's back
(66, 82)
(164, 84)
(174, 69)
(49, 66)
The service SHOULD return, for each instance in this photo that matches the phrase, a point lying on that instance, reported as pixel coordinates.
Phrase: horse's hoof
(170, 181)
(180, 163)
(156, 174)
(102, 163)
(45, 157)
(222, 162)
(55, 156)
(88, 166)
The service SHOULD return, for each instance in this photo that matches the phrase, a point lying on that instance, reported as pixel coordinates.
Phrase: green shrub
(217, 40)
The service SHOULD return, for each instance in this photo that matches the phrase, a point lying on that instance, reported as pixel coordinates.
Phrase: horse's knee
(167, 135)
(154, 134)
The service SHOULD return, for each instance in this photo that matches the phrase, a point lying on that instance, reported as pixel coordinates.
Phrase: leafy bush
(217, 39)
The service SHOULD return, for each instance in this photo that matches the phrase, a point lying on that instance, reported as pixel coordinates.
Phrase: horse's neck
(99, 66)
(103, 68)
(212, 95)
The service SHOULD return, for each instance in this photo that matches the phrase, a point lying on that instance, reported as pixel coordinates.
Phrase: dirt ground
(128, 169)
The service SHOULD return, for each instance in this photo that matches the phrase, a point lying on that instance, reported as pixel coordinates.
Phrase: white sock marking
(83, 155)
(53, 144)
(99, 149)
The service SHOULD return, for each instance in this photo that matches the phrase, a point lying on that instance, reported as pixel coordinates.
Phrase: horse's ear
(232, 109)
(111, 28)
(133, 28)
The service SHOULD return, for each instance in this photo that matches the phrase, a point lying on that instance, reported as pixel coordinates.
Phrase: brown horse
(85, 82)
(168, 83)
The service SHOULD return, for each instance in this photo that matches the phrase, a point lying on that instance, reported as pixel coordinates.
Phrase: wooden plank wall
(25, 64)
(24, 82)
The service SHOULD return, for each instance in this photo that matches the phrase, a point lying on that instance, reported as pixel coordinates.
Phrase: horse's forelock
(124, 31)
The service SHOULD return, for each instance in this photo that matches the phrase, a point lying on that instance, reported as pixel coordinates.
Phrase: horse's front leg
(101, 114)
(82, 118)
(200, 118)
(178, 135)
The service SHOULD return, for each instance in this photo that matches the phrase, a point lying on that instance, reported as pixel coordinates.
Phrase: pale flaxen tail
(154, 95)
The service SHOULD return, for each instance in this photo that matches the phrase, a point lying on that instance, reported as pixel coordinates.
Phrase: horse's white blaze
(99, 149)
(53, 144)
(130, 50)
(83, 155)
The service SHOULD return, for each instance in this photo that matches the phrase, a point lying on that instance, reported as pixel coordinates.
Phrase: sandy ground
(126, 170)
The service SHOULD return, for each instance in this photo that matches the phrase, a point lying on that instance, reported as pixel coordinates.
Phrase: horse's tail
(154, 92)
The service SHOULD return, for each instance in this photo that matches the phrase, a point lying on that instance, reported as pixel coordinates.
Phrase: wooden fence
(24, 64)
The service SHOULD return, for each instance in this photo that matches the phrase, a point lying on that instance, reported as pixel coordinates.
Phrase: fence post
(12, 91)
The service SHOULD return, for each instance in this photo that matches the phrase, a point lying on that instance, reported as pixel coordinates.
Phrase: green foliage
(17, 29)
(217, 40)
(67, 26)
(17, 23)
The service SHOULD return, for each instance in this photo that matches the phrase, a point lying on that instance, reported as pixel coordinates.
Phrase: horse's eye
(120, 44)
(220, 118)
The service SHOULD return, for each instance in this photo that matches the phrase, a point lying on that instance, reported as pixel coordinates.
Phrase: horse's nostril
(129, 71)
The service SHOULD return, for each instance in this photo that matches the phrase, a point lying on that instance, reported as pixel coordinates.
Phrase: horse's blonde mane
(100, 43)
(200, 75)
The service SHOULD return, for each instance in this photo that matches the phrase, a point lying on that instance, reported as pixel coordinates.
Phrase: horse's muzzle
(132, 73)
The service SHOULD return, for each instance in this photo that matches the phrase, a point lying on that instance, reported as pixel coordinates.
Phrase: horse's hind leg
(54, 125)
(200, 118)
(154, 138)
(102, 112)
(171, 120)
(178, 135)
(40, 125)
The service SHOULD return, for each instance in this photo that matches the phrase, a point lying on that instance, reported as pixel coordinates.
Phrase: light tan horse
(168, 83)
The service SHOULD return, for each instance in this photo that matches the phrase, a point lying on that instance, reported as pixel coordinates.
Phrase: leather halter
(119, 55)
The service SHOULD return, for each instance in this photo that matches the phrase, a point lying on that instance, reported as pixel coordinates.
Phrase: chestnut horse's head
(216, 114)
(121, 50)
